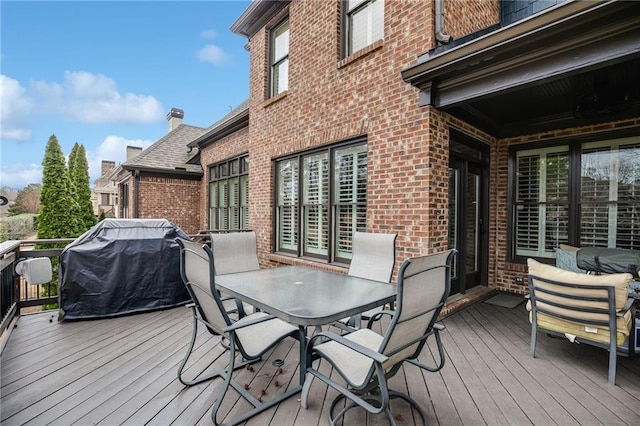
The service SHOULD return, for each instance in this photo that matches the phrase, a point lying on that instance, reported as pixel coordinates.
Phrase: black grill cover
(121, 266)
(609, 260)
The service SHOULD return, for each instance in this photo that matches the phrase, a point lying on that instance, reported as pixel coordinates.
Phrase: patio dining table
(305, 297)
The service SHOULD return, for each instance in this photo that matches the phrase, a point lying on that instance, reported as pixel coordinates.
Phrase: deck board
(122, 370)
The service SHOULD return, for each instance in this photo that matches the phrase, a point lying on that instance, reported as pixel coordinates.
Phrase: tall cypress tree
(79, 173)
(56, 218)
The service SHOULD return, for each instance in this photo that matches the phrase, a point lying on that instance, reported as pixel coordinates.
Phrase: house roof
(256, 16)
(236, 119)
(170, 154)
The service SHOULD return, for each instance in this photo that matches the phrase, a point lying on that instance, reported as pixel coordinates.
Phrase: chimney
(107, 167)
(175, 117)
(133, 152)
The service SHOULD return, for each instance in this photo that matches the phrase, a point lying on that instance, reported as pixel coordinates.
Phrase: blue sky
(106, 73)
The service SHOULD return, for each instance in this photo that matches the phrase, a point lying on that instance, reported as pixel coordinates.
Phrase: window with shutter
(279, 60)
(350, 196)
(364, 23)
(287, 213)
(229, 195)
(541, 211)
(607, 196)
(332, 203)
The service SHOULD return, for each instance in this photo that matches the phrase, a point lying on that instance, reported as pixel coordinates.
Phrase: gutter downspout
(440, 33)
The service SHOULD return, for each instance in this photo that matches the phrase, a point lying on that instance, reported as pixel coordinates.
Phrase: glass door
(468, 198)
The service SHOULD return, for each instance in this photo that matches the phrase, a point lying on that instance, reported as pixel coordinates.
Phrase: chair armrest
(247, 323)
(376, 356)
(627, 306)
(438, 326)
(378, 315)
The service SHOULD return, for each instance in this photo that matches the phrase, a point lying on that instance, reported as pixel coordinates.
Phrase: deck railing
(15, 294)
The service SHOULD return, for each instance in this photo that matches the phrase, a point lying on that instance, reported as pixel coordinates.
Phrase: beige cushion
(601, 334)
(620, 282)
(568, 247)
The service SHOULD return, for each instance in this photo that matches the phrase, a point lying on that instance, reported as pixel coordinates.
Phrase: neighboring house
(500, 128)
(163, 181)
(105, 192)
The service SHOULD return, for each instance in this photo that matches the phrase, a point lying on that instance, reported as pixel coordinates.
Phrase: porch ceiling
(547, 73)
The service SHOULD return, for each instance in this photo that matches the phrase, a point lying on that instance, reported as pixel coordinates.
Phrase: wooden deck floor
(123, 371)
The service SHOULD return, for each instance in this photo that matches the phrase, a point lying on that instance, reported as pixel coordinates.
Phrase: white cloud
(81, 97)
(20, 175)
(15, 107)
(212, 54)
(94, 98)
(113, 148)
(209, 34)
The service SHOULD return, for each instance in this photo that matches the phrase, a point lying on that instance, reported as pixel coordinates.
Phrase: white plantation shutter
(280, 59)
(229, 195)
(234, 203)
(315, 204)
(223, 205)
(330, 204)
(350, 195)
(244, 202)
(288, 205)
(365, 23)
(542, 200)
(213, 205)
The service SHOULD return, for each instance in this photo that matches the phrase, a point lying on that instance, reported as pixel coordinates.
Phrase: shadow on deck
(123, 371)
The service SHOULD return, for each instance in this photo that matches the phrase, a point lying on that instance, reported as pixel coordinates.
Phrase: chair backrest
(424, 284)
(580, 298)
(235, 252)
(197, 270)
(374, 256)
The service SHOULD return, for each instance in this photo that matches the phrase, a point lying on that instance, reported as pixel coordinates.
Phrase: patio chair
(374, 256)
(235, 252)
(366, 360)
(589, 309)
(250, 337)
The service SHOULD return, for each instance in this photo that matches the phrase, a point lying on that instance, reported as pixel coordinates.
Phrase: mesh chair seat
(353, 365)
(366, 360)
(250, 337)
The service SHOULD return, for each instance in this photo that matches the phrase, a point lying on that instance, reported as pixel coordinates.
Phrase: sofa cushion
(596, 333)
(620, 282)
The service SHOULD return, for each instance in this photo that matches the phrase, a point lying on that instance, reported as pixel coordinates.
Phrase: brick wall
(464, 17)
(331, 99)
(174, 199)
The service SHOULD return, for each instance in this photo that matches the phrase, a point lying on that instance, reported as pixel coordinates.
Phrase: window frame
(575, 152)
(273, 63)
(346, 14)
(223, 171)
(330, 204)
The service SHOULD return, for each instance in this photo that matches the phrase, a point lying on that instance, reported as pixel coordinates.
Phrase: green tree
(101, 217)
(57, 206)
(27, 200)
(79, 174)
(57, 218)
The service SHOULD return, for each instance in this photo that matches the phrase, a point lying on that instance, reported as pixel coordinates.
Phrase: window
(321, 199)
(601, 208)
(229, 194)
(364, 23)
(279, 58)
(125, 201)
